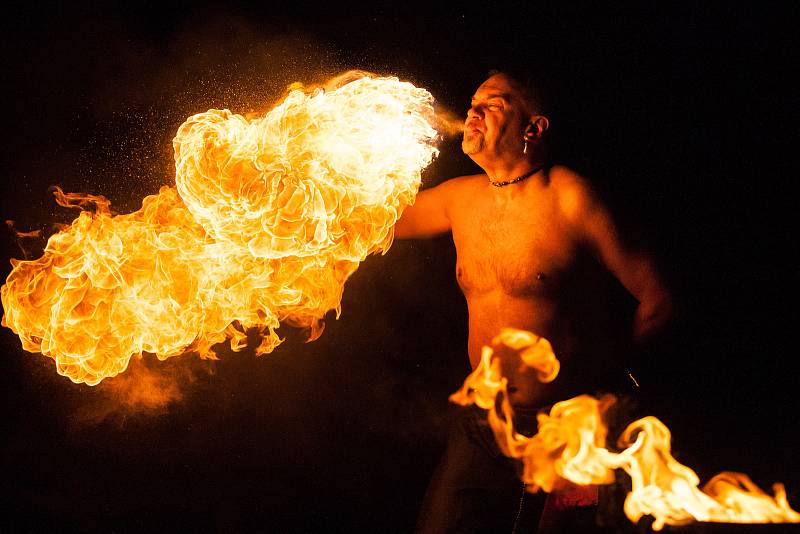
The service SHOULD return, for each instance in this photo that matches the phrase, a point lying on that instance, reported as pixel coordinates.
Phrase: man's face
(495, 120)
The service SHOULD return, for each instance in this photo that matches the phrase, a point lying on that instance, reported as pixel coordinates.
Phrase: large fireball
(268, 219)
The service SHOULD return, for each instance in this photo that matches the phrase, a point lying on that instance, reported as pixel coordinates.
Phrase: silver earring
(525, 148)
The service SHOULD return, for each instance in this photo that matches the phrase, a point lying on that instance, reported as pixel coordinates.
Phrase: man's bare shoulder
(459, 187)
(569, 181)
(434, 208)
(575, 194)
(462, 183)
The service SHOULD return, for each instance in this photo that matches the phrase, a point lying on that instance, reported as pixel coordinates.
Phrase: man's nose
(475, 112)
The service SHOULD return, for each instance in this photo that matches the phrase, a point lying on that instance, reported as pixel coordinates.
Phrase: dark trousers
(476, 489)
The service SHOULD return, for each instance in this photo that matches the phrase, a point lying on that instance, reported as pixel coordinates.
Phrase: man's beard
(472, 143)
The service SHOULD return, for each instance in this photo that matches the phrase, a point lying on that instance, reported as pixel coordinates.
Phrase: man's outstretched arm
(428, 216)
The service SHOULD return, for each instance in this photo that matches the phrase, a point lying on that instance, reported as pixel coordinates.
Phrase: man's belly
(582, 371)
(493, 311)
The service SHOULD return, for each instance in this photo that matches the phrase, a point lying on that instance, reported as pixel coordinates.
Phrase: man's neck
(507, 171)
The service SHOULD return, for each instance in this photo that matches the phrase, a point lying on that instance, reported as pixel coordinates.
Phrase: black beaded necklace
(517, 179)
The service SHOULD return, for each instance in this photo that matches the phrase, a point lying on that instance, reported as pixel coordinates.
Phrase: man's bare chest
(518, 250)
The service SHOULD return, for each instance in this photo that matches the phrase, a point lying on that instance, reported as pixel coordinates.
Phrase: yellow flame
(570, 447)
(268, 219)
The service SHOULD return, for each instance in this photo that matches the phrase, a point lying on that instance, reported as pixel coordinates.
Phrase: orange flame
(570, 446)
(268, 219)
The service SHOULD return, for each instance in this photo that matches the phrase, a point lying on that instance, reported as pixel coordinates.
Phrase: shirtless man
(529, 238)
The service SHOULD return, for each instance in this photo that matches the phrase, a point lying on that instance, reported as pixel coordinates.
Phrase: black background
(681, 115)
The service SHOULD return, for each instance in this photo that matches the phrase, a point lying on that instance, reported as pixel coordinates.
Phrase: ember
(571, 446)
(268, 219)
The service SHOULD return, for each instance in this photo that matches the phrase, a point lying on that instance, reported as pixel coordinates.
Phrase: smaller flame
(570, 447)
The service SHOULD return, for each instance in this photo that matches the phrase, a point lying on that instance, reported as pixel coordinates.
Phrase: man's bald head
(532, 88)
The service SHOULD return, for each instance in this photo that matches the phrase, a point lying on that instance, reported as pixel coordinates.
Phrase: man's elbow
(653, 317)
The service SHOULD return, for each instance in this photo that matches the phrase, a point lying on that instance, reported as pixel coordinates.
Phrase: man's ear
(537, 125)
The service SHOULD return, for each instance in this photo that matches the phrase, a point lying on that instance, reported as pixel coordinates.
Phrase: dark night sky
(680, 116)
